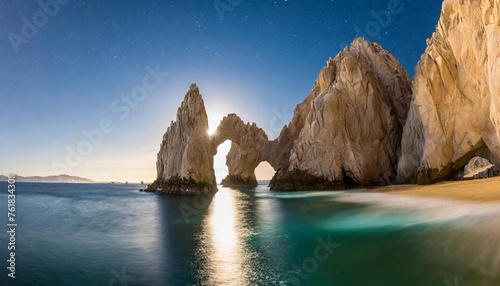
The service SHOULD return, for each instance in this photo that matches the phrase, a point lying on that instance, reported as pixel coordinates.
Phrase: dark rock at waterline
(236, 182)
(301, 181)
(181, 186)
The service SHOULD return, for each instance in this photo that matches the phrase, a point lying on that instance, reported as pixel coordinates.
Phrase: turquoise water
(94, 234)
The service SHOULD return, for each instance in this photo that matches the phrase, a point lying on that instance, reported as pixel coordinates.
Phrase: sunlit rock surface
(348, 130)
(185, 161)
(454, 111)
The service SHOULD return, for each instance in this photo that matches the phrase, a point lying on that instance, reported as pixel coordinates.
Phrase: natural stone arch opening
(264, 171)
(467, 167)
(248, 143)
(220, 166)
(240, 169)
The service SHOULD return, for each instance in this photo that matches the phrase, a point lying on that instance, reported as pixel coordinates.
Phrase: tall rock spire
(185, 163)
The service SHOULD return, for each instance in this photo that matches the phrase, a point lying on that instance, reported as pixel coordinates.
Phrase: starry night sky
(254, 58)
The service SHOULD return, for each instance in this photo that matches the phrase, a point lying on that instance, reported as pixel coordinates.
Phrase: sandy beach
(483, 190)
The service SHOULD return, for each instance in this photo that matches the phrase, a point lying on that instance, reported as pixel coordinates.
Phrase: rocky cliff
(185, 161)
(361, 125)
(347, 132)
(454, 112)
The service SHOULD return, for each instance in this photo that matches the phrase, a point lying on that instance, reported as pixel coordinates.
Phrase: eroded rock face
(347, 132)
(246, 153)
(454, 112)
(185, 161)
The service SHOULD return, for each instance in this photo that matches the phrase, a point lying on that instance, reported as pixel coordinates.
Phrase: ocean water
(96, 234)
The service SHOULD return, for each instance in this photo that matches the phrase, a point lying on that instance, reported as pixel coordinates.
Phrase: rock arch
(185, 160)
(248, 143)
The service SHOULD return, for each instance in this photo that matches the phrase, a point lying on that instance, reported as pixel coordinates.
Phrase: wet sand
(482, 190)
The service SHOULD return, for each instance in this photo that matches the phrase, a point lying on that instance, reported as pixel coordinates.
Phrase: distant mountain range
(49, 179)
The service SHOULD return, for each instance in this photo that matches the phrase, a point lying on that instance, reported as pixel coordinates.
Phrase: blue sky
(79, 66)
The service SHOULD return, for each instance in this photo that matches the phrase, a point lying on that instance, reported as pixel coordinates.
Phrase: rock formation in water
(347, 132)
(248, 143)
(454, 112)
(360, 124)
(185, 161)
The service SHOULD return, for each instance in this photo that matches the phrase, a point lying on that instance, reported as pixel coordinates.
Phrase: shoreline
(480, 190)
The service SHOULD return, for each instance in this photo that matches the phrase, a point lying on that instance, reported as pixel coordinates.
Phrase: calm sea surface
(96, 234)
